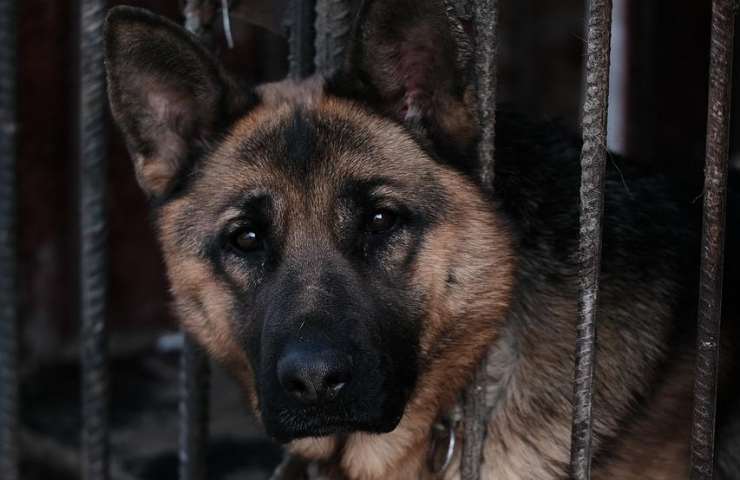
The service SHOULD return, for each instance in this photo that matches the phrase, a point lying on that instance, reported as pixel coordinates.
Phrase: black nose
(313, 376)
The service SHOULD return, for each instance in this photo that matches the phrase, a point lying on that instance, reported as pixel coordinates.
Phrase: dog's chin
(298, 427)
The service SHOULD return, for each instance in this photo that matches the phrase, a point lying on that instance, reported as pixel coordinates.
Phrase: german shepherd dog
(329, 241)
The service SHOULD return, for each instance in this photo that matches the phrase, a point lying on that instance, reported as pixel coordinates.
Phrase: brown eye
(245, 239)
(381, 221)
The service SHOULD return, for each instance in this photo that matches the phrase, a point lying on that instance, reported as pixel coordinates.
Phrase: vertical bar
(478, 400)
(619, 78)
(8, 288)
(301, 22)
(194, 367)
(333, 28)
(300, 25)
(93, 237)
(593, 167)
(199, 19)
(713, 229)
(194, 389)
(485, 15)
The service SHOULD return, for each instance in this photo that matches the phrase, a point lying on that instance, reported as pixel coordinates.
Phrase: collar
(444, 440)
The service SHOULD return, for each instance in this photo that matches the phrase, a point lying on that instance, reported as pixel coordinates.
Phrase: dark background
(657, 118)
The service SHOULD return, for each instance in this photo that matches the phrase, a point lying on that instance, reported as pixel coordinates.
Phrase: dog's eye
(381, 221)
(245, 239)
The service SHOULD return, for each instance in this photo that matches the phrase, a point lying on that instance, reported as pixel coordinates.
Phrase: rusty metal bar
(200, 19)
(333, 28)
(478, 400)
(93, 238)
(485, 15)
(300, 25)
(200, 16)
(593, 168)
(9, 410)
(194, 390)
(713, 236)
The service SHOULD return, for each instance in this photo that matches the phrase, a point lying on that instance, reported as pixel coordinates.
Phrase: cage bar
(712, 246)
(9, 410)
(194, 391)
(478, 401)
(194, 367)
(485, 15)
(333, 29)
(593, 168)
(301, 34)
(199, 19)
(93, 238)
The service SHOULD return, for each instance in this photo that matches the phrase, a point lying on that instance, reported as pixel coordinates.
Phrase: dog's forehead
(298, 137)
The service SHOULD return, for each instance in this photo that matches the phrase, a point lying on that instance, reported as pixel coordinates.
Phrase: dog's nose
(313, 376)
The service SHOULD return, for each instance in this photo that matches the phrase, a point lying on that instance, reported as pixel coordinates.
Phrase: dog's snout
(313, 376)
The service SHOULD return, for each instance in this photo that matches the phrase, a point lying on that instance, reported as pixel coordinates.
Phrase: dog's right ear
(411, 60)
(167, 94)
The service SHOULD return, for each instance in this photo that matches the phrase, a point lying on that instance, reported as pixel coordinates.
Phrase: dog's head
(325, 239)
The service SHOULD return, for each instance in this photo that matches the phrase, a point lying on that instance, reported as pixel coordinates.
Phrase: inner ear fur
(411, 60)
(167, 93)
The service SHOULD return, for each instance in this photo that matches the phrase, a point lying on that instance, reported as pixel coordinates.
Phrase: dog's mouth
(289, 425)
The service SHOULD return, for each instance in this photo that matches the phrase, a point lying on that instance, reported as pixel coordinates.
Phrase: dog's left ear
(411, 60)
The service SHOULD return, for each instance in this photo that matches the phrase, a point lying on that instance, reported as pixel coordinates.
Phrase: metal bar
(478, 400)
(485, 15)
(93, 238)
(593, 168)
(477, 410)
(194, 368)
(9, 410)
(713, 230)
(194, 389)
(300, 26)
(333, 28)
(199, 19)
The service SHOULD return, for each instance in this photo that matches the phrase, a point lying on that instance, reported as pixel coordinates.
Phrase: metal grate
(318, 33)
(333, 28)
(301, 33)
(93, 237)
(194, 367)
(194, 391)
(478, 403)
(712, 243)
(593, 168)
(8, 287)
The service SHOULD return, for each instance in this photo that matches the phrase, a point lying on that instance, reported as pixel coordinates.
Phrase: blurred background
(657, 117)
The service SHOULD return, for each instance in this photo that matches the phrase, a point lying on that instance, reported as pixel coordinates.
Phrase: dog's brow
(242, 204)
(368, 187)
(228, 215)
